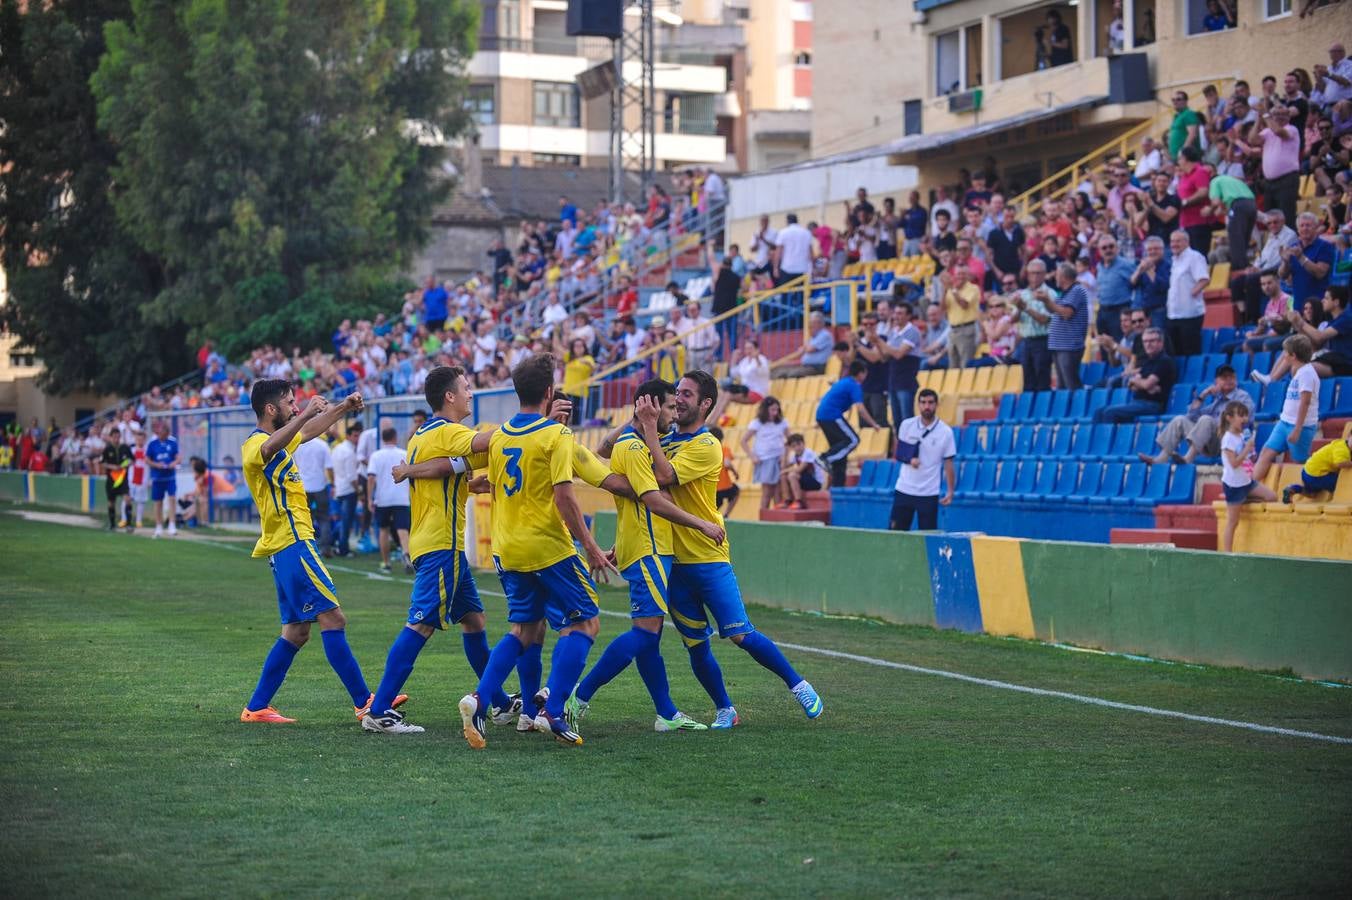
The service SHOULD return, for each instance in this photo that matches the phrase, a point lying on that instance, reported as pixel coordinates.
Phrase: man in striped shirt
(1069, 325)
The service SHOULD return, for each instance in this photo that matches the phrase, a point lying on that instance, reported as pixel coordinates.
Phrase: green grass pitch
(126, 771)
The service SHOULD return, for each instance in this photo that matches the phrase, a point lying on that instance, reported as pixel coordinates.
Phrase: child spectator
(802, 471)
(770, 431)
(1300, 412)
(1237, 478)
(1320, 474)
(727, 490)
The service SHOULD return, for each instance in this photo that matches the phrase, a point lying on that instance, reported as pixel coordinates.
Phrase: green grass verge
(127, 772)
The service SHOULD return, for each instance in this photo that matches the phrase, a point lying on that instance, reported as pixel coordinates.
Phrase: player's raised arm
(608, 442)
(327, 415)
(645, 423)
(284, 435)
(662, 505)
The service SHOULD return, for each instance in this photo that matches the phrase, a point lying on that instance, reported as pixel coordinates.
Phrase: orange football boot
(266, 714)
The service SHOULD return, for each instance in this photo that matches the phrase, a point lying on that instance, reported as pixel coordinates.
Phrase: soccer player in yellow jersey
(305, 592)
(643, 553)
(443, 584)
(535, 520)
(702, 577)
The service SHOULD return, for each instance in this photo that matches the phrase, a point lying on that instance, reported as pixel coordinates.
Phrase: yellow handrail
(752, 301)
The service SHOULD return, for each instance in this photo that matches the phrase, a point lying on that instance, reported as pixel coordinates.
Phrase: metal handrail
(752, 301)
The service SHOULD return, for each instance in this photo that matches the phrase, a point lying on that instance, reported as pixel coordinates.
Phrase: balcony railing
(586, 47)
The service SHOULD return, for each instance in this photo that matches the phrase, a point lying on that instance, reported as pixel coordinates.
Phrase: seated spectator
(814, 353)
(1201, 425)
(1273, 326)
(1000, 335)
(1150, 386)
(1333, 338)
(802, 471)
(1274, 234)
(1127, 352)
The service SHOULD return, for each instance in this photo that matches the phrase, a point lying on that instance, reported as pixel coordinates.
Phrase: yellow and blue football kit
(541, 572)
(643, 542)
(702, 576)
(304, 587)
(443, 582)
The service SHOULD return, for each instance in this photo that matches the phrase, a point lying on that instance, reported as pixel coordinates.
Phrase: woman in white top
(770, 433)
(1236, 468)
(750, 381)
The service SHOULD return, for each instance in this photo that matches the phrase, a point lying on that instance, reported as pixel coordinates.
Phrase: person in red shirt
(1057, 224)
(204, 353)
(38, 461)
(1194, 191)
(626, 300)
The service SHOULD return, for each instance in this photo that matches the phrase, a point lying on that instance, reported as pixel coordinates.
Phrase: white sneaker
(173, 531)
(525, 723)
(680, 722)
(159, 532)
(390, 723)
(1260, 377)
(505, 716)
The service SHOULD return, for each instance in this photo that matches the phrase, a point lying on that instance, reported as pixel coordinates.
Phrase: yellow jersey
(698, 461)
(438, 504)
(526, 458)
(638, 533)
(283, 509)
(1326, 459)
(576, 372)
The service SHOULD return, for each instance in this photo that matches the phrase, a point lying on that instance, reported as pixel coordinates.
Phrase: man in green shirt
(1232, 194)
(1184, 130)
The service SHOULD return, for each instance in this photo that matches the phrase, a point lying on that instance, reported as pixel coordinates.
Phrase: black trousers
(1185, 336)
(907, 507)
(1282, 193)
(1238, 227)
(843, 439)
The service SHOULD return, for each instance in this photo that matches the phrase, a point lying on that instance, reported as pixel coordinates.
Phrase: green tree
(272, 154)
(77, 282)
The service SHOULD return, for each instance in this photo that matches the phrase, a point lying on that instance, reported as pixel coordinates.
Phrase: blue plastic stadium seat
(1210, 363)
(1181, 485)
(1119, 396)
(1023, 407)
(1156, 486)
(1123, 438)
(1026, 479)
(1274, 395)
(1145, 440)
(1042, 403)
(1219, 337)
(1088, 486)
(967, 472)
(1098, 398)
(1132, 485)
(1109, 486)
(1006, 411)
(1091, 372)
(1067, 477)
(1079, 402)
(1240, 363)
(1179, 398)
(1044, 484)
(867, 470)
(1004, 440)
(1190, 369)
(1061, 444)
(1342, 399)
(1099, 440)
(1023, 442)
(1263, 432)
(1326, 394)
(967, 444)
(1042, 441)
(1004, 482)
(1254, 390)
(1059, 407)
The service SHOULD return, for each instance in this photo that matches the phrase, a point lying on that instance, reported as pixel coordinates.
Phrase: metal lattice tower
(633, 114)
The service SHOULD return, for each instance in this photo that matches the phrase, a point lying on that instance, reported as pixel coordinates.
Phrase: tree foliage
(259, 167)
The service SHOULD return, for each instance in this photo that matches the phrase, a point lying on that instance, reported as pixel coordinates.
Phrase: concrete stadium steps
(1187, 538)
(818, 509)
(1192, 516)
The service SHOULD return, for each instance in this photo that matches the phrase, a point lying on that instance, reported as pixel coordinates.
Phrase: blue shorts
(304, 587)
(1313, 484)
(563, 594)
(1276, 441)
(1237, 495)
(443, 589)
(161, 489)
(648, 579)
(696, 587)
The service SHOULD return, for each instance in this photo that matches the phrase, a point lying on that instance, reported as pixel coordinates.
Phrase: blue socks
(708, 674)
(567, 663)
(529, 670)
(476, 651)
(653, 671)
(345, 664)
(767, 653)
(274, 672)
(500, 663)
(398, 666)
(619, 653)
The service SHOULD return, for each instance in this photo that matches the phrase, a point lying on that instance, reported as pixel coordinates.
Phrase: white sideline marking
(1039, 692)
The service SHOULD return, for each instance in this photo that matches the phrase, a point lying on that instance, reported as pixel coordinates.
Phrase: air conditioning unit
(967, 101)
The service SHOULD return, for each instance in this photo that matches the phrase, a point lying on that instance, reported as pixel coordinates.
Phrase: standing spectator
(1068, 328)
(434, 300)
(1299, 419)
(1273, 237)
(768, 433)
(1281, 161)
(914, 222)
(1233, 199)
(727, 287)
(314, 460)
(567, 211)
(870, 346)
(1054, 42)
(1150, 386)
(390, 500)
(962, 304)
(1114, 287)
(1006, 244)
(1272, 326)
(887, 229)
(1151, 282)
(1161, 207)
(1185, 129)
(1194, 181)
(762, 246)
(1236, 480)
(345, 476)
(1201, 425)
(793, 252)
(843, 396)
(727, 490)
(162, 458)
(1308, 260)
(924, 443)
(1188, 279)
(1032, 317)
(935, 346)
(903, 357)
(702, 338)
(802, 472)
(577, 372)
(942, 204)
(1148, 161)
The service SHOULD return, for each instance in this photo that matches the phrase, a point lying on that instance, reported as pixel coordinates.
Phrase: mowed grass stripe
(126, 772)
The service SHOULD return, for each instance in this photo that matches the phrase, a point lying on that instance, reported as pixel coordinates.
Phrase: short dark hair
(858, 367)
(841, 347)
(1266, 272)
(532, 378)
(708, 386)
(1223, 371)
(791, 218)
(942, 212)
(440, 382)
(268, 390)
(1191, 154)
(656, 388)
(1339, 294)
(927, 392)
(796, 438)
(389, 434)
(906, 305)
